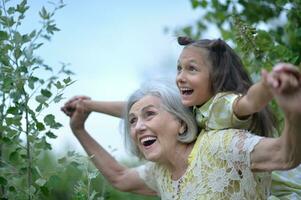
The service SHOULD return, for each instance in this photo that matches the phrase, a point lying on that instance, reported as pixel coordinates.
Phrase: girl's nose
(181, 77)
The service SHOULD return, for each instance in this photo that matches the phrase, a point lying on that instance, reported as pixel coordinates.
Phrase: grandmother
(181, 164)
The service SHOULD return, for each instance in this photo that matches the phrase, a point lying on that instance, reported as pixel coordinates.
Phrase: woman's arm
(121, 177)
(284, 152)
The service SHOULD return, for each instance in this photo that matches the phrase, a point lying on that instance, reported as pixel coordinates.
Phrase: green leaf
(50, 134)
(46, 93)
(62, 160)
(58, 85)
(49, 119)
(41, 99)
(12, 189)
(58, 98)
(13, 110)
(54, 180)
(194, 3)
(14, 156)
(11, 10)
(67, 80)
(40, 182)
(3, 36)
(44, 14)
(45, 190)
(39, 108)
(3, 181)
(13, 120)
(31, 82)
(43, 144)
(21, 8)
(17, 53)
(40, 126)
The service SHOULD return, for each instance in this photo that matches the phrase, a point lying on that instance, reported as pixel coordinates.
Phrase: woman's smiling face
(153, 129)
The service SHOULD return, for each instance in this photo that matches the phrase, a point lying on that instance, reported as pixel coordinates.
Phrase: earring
(182, 130)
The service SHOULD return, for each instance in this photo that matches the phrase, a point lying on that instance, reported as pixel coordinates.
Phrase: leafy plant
(27, 87)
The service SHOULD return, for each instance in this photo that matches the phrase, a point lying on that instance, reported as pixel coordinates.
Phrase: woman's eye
(132, 121)
(149, 113)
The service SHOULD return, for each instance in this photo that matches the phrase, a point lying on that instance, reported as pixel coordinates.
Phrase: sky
(112, 47)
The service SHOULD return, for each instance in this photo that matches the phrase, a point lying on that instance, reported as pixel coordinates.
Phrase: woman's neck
(178, 160)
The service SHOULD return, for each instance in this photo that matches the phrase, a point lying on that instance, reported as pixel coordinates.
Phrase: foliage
(27, 87)
(264, 32)
(75, 177)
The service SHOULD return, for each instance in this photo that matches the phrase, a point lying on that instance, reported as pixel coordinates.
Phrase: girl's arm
(113, 108)
(257, 97)
(121, 177)
(259, 94)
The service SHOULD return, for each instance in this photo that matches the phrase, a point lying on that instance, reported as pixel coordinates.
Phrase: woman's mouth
(147, 141)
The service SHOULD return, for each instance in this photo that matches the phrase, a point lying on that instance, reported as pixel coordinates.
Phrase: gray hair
(171, 102)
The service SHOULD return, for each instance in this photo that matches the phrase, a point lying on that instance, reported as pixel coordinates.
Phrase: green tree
(27, 87)
(264, 32)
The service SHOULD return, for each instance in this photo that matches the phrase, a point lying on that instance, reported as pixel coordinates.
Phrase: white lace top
(219, 168)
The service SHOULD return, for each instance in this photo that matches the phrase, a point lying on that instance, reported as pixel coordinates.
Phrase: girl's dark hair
(228, 75)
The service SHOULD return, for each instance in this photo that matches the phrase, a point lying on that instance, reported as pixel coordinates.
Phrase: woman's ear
(183, 127)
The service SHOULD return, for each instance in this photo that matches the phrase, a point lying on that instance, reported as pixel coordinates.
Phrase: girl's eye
(192, 68)
(179, 68)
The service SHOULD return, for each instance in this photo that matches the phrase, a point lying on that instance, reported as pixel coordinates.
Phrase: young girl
(212, 80)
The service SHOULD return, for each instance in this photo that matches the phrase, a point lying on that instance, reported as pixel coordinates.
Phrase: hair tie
(218, 46)
(185, 40)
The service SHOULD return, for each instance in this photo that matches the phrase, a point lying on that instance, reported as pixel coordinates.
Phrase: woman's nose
(140, 126)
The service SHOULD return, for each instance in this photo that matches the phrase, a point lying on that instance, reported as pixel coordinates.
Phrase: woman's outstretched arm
(121, 177)
(284, 152)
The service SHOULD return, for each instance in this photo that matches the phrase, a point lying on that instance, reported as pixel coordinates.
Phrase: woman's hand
(285, 84)
(69, 106)
(77, 111)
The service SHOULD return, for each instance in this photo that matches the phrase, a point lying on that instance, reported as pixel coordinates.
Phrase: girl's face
(153, 129)
(193, 77)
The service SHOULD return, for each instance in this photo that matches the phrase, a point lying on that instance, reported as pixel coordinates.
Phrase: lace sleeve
(147, 174)
(225, 157)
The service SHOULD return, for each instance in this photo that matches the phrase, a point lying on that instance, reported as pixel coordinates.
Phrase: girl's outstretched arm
(259, 95)
(113, 108)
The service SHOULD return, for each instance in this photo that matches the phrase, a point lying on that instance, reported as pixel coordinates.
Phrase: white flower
(218, 180)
